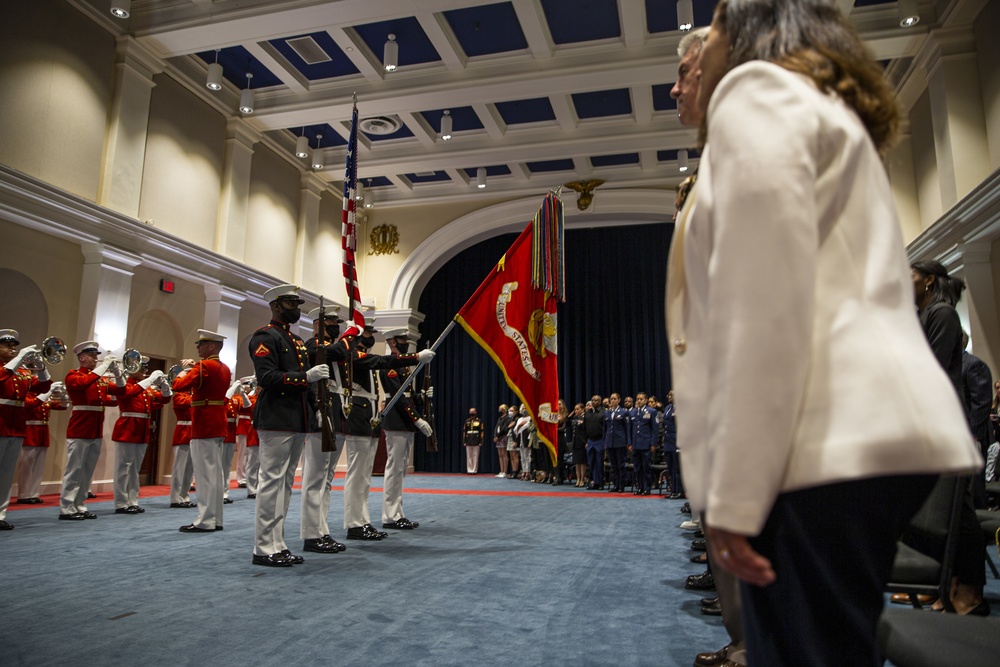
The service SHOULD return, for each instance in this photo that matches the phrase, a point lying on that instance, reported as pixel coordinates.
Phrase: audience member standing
(616, 441)
(642, 436)
(500, 440)
(593, 424)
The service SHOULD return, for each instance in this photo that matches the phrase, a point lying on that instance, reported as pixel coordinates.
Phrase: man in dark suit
(977, 397)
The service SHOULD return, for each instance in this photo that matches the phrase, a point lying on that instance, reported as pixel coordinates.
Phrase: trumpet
(173, 372)
(50, 351)
(130, 362)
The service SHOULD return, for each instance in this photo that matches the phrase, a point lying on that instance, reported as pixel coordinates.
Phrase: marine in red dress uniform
(15, 383)
(209, 378)
(36, 441)
(131, 433)
(183, 471)
(89, 392)
(246, 437)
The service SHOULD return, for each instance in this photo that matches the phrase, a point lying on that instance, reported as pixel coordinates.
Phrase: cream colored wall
(56, 76)
(183, 166)
(414, 224)
(272, 214)
(326, 251)
(925, 169)
(988, 53)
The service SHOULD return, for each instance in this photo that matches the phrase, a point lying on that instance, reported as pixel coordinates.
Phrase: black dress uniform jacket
(404, 415)
(335, 352)
(366, 367)
(280, 362)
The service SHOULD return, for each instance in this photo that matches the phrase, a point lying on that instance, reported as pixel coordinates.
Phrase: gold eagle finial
(586, 190)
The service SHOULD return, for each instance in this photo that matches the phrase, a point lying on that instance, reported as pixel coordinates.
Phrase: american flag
(349, 228)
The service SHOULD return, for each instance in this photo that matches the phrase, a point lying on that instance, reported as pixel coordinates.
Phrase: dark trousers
(832, 549)
(674, 461)
(640, 468)
(595, 459)
(616, 459)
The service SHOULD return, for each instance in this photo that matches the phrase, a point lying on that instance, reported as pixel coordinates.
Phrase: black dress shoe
(706, 602)
(35, 501)
(320, 546)
(88, 515)
(698, 545)
(251, 496)
(292, 558)
(91, 495)
(699, 558)
(698, 534)
(712, 610)
(700, 582)
(139, 510)
(381, 534)
(184, 505)
(24, 501)
(711, 659)
(122, 510)
(72, 517)
(219, 528)
(330, 540)
(5, 526)
(227, 501)
(401, 524)
(365, 532)
(191, 528)
(274, 560)
(241, 485)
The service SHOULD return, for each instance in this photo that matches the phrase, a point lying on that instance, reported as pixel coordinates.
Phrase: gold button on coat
(680, 345)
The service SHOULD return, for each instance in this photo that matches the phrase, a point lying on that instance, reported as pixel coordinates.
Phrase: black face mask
(403, 347)
(367, 340)
(332, 331)
(290, 315)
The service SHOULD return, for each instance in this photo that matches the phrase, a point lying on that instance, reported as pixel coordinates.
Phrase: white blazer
(796, 352)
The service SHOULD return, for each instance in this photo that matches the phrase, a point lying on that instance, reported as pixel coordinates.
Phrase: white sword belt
(230, 420)
(9, 401)
(183, 423)
(358, 392)
(247, 417)
(136, 415)
(88, 408)
(35, 423)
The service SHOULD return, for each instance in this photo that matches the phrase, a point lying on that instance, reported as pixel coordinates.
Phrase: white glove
(165, 388)
(429, 392)
(148, 382)
(232, 389)
(102, 367)
(16, 362)
(156, 375)
(42, 374)
(425, 356)
(319, 372)
(424, 427)
(44, 398)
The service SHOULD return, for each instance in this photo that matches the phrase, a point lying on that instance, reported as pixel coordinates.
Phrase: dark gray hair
(693, 40)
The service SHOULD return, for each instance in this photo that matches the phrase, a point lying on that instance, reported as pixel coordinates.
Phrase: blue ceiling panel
(613, 160)
(377, 182)
(236, 62)
(462, 118)
(401, 133)
(671, 155)
(330, 136)
(661, 97)
(414, 46)
(526, 111)
(602, 103)
(703, 10)
(661, 15)
(436, 177)
(338, 65)
(496, 170)
(574, 21)
(550, 165)
(487, 29)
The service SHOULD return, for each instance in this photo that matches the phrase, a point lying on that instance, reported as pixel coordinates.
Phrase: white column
(124, 155)
(981, 299)
(231, 229)
(222, 315)
(961, 144)
(105, 293)
(307, 263)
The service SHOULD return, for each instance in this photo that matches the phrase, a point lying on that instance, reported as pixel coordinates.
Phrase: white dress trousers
(181, 475)
(206, 456)
(228, 449)
(318, 469)
(10, 449)
(29, 476)
(397, 447)
(81, 460)
(253, 469)
(241, 459)
(128, 459)
(360, 458)
(279, 453)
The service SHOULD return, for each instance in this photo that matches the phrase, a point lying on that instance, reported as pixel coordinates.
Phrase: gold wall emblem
(384, 240)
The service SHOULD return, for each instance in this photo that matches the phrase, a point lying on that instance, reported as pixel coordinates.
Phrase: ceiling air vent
(380, 125)
(307, 49)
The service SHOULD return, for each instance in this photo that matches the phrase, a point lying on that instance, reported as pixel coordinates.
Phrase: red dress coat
(210, 380)
(36, 433)
(182, 410)
(89, 393)
(14, 388)
(137, 405)
(232, 410)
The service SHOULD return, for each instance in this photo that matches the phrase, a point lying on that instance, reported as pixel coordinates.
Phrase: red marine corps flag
(513, 317)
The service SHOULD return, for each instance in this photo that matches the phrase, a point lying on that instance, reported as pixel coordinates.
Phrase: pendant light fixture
(390, 54)
(317, 157)
(214, 80)
(246, 98)
(446, 125)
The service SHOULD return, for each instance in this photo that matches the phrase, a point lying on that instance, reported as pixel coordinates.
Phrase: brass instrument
(51, 351)
(129, 363)
(173, 372)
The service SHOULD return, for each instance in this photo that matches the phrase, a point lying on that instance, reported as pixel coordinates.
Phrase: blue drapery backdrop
(611, 332)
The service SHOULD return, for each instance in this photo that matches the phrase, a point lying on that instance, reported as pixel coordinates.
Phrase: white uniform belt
(35, 423)
(358, 392)
(9, 401)
(136, 415)
(406, 394)
(183, 423)
(247, 417)
(230, 420)
(88, 408)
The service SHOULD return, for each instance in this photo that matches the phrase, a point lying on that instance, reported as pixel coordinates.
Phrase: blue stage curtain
(611, 331)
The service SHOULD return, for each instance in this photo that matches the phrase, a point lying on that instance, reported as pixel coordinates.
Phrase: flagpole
(409, 379)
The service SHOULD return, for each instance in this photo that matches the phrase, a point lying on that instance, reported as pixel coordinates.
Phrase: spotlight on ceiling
(685, 15)
(390, 54)
(446, 126)
(246, 98)
(317, 157)
(909, 13)
(481, 178)
(369, 195)
(302, 146)
(120, 8)
(682, 160)
(214, 80)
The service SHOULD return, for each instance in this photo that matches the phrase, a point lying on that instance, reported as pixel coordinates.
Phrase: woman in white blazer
(813, 417)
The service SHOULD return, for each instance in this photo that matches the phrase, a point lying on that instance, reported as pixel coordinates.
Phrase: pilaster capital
(239, 131)
(138, 59)
(229, 297)
(110, 257)
(311, 182)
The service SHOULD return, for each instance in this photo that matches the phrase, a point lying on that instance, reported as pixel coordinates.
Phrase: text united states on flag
(349, 228)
